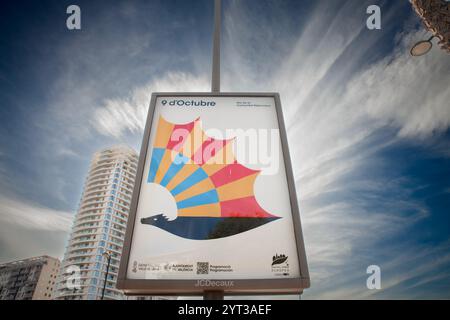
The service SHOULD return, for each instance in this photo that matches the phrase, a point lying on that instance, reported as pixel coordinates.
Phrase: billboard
(214, 206)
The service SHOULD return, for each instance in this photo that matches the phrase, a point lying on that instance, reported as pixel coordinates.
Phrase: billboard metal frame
(240, 286)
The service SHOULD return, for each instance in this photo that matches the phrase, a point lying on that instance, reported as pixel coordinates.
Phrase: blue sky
(368, 124)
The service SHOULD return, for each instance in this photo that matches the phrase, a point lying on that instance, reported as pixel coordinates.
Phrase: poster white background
(249, 254)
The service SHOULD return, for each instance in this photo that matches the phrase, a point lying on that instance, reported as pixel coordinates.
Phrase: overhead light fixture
(422, 47)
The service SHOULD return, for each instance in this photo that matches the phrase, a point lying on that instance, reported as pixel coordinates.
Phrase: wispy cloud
(405, 276)
(346, 97)
(33, 216)
(29, 229)
(119, 116)
(341, 111)
(411, 94)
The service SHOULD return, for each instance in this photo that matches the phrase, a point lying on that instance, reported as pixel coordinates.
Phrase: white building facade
(99, 227)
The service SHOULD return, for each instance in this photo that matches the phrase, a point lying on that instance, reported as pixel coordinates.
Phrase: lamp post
(215, 77)
(108, 257)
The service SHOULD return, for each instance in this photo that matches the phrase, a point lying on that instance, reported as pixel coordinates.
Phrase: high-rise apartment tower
(99, 227)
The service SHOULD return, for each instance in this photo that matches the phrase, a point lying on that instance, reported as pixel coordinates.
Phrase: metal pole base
(213, 295)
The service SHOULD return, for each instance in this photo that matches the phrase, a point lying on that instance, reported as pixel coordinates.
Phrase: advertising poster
(214, 200)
